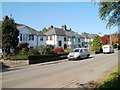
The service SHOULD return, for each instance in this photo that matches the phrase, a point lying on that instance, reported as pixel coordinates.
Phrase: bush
(44, 56)
(112, 81)
(115, 46)
(18, 57)
(49, 51)
(62, 53)
(58, 50)
(19, 48)
(44, 49)
(33, 51)
(23, 45)
(67, 50)
(24, 51)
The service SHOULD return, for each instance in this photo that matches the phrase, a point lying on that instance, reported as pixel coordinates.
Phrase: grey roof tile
(33, 31)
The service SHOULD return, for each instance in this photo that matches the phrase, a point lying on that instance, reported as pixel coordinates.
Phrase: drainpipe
(37, 41)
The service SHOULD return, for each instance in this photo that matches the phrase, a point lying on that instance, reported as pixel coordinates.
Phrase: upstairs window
(50, 37)
(60, 43)
(78, 39)
(47, 38)
(65, 39)
(31, 37)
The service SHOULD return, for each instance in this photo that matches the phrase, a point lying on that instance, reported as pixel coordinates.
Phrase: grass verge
(112, 81)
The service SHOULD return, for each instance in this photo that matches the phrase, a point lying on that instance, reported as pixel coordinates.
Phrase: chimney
(64, 27)
(51, 26)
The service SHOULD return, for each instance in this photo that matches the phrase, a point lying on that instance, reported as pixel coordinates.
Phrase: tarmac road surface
(62, 74)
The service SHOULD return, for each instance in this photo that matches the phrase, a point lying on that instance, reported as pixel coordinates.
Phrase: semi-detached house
(31, 36)
(62, 37)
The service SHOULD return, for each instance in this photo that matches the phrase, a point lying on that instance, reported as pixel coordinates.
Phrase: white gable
(24, 30)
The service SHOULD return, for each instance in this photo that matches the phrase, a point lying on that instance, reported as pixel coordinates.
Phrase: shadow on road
(4, 67)
(89, 58)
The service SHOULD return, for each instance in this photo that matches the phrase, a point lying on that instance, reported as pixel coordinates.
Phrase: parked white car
(108, 49)
(79, 53)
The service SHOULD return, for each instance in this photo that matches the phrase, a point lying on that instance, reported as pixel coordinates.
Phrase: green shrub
(49, 51)
(33, 51)
(44, 49)
(67, 50)
(96, 44)
(23, 45)
(18, 57)
(115, 46)
(43, 56)
(24, 51)
(112, 81)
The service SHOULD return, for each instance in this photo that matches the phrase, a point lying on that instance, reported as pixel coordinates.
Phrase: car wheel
(79, 58)
(88, 55)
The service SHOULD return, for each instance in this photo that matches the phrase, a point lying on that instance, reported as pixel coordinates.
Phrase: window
(24, 38)
(85, 50)
(81, 51)
(76, 50)
(50, 37)
(20, 37)
(41, 38)
(47, 38)
(65, 39)
(60, 43)
(31, 37)
(78, 39)
(69, 39)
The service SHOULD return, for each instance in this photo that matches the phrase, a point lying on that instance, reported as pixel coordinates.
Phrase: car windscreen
(76, 50)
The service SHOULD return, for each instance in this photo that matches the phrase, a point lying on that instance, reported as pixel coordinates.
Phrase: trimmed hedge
(33, 57)
(42, 58)
(39, 58)
(18, 57)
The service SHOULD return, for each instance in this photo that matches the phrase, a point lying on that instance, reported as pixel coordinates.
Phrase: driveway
(60, 75)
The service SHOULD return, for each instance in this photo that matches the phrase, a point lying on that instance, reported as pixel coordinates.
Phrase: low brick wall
(16, 62)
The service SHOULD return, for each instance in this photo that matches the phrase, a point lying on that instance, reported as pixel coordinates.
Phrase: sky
(79, 16)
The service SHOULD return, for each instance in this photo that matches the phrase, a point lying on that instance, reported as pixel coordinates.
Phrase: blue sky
(79, 16)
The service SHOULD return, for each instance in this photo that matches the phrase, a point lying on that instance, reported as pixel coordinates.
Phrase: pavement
(6, 67)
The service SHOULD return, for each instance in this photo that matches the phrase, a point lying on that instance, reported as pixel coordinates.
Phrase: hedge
(18, 57)
(33, 57)
(39, 58)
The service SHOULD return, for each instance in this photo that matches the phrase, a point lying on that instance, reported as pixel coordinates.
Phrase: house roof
(87, 35)
(33, 31)
(56, 31)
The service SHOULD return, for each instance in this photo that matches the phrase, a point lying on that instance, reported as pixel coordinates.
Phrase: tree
(110, 12)
(97, 44)
(45, 30)
(105, 39)
(9, 34)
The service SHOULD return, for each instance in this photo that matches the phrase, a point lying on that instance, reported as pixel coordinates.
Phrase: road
(60, 75)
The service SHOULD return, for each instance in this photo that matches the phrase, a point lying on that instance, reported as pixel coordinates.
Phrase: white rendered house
(61, 37)
(31, 36)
